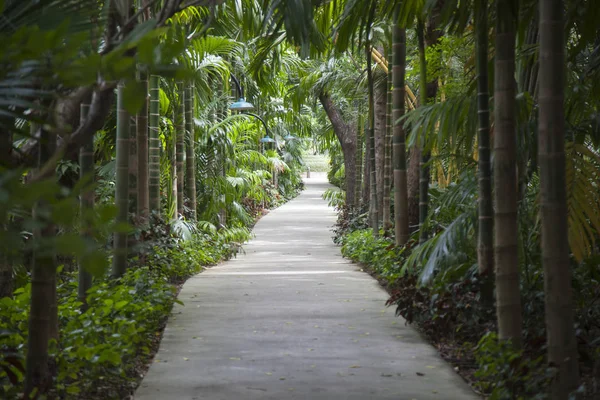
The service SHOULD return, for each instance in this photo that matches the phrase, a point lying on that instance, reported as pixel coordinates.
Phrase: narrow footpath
(292, 319)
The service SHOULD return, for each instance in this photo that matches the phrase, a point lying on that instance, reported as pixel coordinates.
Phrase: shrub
(379, 253)
(508, 374)
(102, 345)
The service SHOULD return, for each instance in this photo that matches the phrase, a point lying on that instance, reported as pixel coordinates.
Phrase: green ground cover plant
(104, 346)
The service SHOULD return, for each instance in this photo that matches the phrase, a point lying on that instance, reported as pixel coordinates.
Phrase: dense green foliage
(101, 349)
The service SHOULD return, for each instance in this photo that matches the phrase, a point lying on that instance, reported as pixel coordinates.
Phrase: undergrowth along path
(292, 319)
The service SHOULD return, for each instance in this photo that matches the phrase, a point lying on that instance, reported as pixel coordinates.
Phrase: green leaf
(133, 96)
(120, 304)
(70, 244)
(95, 262)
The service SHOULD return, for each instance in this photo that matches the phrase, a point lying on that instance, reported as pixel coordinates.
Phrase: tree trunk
(180, 145)
(43, 316)
(380, 115)
(172, 199)
(366, 188)
(424, 162)
(414, 173)
(562, 345)
(6, 277)
(528, 83)
(485, 242)
(119, 264)
(86, 174)
(374, 203)
(6, 146)
(6, 269)
(143, 190)
(387, 169)
(347, 136)
(190, 159)
(401, 211)
(508, 297)
(133, 169)
(359, 160)
(350, 167)
(154, 147)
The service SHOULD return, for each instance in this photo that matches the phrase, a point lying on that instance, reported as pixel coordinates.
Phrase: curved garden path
(292, 319)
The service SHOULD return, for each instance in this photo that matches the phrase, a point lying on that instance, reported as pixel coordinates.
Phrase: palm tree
(424, 162)
(180, 144)
(562, 345)
(133, 167)
(190, 159)
(143, 190)
(154, 147)
(122, 184)
(374, 217)
(86, 174)
(379, 129)
(43, 315)
(485, 243)
(399, 146)
(508, 298)
(358, 158)
(366, 161)
(347, 136)
(387, 170)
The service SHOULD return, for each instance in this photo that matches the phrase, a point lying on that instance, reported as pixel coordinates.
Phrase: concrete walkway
(292, 319)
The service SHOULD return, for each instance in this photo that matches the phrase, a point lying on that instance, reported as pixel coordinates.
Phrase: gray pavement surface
(292, 319)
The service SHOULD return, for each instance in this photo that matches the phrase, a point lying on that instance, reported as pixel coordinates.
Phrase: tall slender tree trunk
(414, 174)
(359, 160)
(86, 174)
(380, 114)
(401, 214)
(143, 188)
(172, 199)
(387, 169)
(374, 201)
(119, 264)
(508, 297)
(562, 345)
(6, 269)
(154, 147)
(527, 82)
(350, 167)
(190, 159)
(133, 169)
(347, 137)
(485, 241)
(366, 188)
(43, 311)
(425, 154)
(180, 146)
(6, 277)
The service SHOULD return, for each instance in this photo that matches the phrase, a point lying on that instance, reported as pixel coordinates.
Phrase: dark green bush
(379, 253)
(103, 345)
(508, 374)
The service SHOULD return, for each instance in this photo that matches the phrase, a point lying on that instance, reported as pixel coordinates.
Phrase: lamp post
(241, 104)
